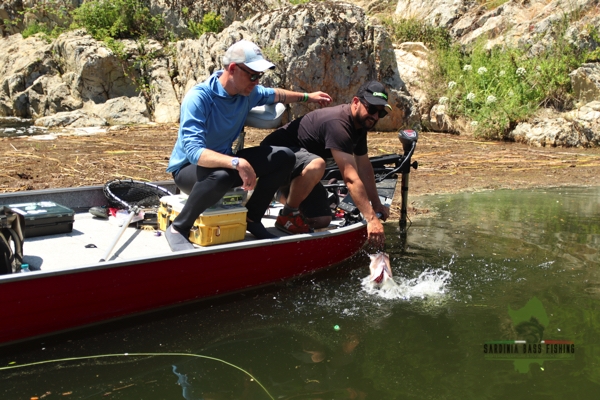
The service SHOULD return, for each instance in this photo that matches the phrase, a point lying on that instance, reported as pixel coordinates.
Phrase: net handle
(133, 210)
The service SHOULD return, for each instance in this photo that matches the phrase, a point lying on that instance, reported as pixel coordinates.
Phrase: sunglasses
(372, 110)
(254, 76)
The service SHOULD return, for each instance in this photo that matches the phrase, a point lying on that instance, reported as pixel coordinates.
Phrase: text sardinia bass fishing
(521, 347)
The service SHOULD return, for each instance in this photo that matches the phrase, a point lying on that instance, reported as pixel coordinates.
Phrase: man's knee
(284, 158)
(316, 166)
(223, 176)
(219, 180)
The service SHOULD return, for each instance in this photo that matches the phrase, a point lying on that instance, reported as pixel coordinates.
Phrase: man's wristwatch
(235, 162)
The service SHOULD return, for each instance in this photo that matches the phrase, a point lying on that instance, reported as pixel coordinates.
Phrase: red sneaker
(292, 223)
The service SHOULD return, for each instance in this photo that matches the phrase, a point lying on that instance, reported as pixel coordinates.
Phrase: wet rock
(120, 111)
(577, 128)
(71, 119)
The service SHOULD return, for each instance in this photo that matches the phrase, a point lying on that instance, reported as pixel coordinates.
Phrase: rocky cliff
(325, 46)
(331, 46)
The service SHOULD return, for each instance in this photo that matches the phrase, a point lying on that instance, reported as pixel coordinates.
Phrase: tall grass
(498, 88)
(414, 30)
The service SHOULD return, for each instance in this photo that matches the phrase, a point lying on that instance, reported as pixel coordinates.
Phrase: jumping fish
(380, 268)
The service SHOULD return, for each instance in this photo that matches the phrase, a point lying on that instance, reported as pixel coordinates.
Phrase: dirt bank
(447, 163)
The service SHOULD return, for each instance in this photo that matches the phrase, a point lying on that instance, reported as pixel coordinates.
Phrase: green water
(495, 266)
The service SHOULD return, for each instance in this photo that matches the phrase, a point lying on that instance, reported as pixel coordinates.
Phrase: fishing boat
(76, 279)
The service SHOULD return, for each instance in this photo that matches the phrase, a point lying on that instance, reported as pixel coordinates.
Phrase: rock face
(586, 82)
(411, 60)
(512, 23)
(326, 46)
(22, 63)
(49, 82)
(316, 46)
(437, 12)
(178, 13)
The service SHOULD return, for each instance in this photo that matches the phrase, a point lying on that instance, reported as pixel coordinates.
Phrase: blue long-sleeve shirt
(212, 119)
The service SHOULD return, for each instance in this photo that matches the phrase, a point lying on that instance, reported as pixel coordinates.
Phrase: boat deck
(92, 237)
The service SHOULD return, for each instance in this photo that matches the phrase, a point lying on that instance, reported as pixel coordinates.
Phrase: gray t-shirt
(320, 131)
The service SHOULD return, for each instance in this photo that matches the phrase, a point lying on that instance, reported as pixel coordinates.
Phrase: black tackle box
(44, 218)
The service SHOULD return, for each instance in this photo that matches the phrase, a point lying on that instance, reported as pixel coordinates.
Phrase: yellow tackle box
(216, 225)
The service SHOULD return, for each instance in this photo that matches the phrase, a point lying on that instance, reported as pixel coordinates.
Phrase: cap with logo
(247, 53)
(374, 93)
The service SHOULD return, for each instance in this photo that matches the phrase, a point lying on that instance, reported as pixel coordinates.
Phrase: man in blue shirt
(213, 114)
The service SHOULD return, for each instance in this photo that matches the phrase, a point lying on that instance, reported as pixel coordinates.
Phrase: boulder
(119, 111)
(71, 119)
(577, 128)
(49, 95)
(163, 97)
(412, 61)
(97, 73)
(22, 62)
(585, 81)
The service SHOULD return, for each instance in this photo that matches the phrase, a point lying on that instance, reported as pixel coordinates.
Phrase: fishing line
(139, 355)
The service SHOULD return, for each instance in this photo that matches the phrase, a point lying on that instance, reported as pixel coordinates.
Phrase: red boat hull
(35, 305)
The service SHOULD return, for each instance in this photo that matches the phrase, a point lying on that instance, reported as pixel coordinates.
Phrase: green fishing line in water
(138, 355)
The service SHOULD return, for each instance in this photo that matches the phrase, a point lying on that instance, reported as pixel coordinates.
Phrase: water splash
(428, 284)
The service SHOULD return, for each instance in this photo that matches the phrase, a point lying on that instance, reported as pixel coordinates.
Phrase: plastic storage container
(214, 226)
(45, 218)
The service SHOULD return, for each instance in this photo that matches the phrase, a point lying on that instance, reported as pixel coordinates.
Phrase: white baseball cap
(247, 53)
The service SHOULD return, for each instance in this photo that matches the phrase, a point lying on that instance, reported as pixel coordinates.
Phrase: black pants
(206, 186)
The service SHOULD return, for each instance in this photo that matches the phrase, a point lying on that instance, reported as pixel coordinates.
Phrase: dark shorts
(317, 202)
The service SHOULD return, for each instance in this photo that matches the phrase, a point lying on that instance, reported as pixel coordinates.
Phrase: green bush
(211, 22)
(496, 89)
(118, 19)
(35, 28)
(47, 33)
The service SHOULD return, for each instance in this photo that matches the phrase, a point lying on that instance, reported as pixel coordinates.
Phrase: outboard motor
(408, 138)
